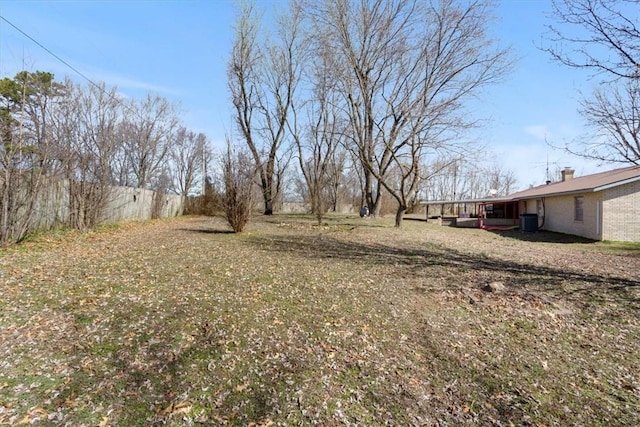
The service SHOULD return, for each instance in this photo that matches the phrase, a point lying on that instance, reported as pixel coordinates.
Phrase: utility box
(529, 222)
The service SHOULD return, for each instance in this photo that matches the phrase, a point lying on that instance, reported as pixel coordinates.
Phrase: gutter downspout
(544, 214)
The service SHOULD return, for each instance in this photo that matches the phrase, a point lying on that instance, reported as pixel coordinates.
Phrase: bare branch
(599, 35)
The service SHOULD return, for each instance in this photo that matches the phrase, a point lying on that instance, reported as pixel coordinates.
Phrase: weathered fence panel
(52, 207)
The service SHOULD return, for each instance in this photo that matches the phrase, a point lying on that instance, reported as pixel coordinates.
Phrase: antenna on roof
(548, 178)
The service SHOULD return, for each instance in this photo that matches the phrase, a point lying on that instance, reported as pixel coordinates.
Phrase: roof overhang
(616, 184)
(579, 190)
(539, 192)
(555, 194)
(454, 202)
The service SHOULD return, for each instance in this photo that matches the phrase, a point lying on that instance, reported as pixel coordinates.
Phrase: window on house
(578, 210)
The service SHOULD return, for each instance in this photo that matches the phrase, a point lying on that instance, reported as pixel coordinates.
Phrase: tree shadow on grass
(463, 384)
(413, 218)
(207, 231)
(425, 262)
(541, 236)
(147, 379)
(332, 220)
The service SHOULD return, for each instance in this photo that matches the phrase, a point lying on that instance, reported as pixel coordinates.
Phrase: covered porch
(489, 214)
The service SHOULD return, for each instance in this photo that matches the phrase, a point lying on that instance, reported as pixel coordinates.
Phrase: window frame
(578, 208)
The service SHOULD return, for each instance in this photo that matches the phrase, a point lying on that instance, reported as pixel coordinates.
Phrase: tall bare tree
(188, 156)
(603, 37)
(340, 186)
(87, 130)
(406, 69)
(318, 132)
(149, 131)
(263, 75)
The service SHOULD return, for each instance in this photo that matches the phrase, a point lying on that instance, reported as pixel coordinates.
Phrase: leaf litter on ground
(354, 322)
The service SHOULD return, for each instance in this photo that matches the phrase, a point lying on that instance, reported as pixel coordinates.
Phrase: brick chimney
(567, 174)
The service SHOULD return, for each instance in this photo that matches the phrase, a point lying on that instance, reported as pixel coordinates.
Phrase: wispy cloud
(81, 51)
(124, 83)
(540, 132)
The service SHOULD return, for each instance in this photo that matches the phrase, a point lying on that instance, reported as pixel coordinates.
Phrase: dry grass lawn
(180, 322)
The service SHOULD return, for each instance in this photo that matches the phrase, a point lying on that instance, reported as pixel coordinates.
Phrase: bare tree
(188, 156)
(161, 186)
(603, 37)
(87, 132)
(262, 83)
(318, 137)
(340, 188)
(502, 181)
(614, 116)
(439, 180)
(460, 178)
(407, 69)
(148, 132)
(238, 175)
(26, 149)
(599, 35)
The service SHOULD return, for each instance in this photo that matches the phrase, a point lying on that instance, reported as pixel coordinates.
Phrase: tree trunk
(316, 205)
(400, 215)
(368, 192)
(376, 202)
(372, 196)
(377, 205)
(268, 206)
(4, 216)
(267, 195)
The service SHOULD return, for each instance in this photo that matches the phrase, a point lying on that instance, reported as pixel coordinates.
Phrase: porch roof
(462, 201)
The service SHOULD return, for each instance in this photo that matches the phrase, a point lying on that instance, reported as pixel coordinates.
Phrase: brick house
(602, 206)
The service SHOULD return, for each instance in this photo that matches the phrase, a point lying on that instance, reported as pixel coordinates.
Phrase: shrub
(238, 173)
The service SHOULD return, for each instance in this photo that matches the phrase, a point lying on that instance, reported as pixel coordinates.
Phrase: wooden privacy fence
(53, 205)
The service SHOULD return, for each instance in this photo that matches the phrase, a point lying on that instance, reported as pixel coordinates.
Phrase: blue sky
(179, 50)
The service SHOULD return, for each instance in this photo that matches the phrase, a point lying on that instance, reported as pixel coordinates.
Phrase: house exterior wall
(559, 214)
(612, 214)
(621, 213)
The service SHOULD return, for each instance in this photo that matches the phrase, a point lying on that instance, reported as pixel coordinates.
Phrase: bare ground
(351, 323)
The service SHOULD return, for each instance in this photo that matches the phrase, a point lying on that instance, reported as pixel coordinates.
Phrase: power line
(50, 52)
(74, 69)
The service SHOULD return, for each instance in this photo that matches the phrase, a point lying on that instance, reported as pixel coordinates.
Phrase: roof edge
(481, 200)
(617, 184)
